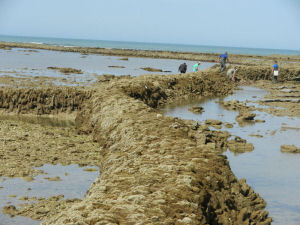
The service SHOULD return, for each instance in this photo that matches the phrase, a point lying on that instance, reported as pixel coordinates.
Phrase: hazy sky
(240, 23)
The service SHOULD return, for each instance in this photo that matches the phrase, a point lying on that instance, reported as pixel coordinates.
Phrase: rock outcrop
(153, 169)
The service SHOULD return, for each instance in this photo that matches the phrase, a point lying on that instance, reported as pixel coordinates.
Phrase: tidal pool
(272, 174)
(21, 64)
(74, 183)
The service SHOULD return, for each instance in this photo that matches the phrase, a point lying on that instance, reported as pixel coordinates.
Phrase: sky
(236, 23)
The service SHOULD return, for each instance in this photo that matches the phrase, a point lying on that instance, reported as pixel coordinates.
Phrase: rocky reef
(42, 101)
(154, 169)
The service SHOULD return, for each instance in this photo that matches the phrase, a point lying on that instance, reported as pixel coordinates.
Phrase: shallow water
(42, 120)
(21, 63)
(272, 174)
(74, 184)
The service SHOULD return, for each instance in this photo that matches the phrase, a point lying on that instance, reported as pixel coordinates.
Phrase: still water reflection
(74, 183)
(21, 63)
(272, 174)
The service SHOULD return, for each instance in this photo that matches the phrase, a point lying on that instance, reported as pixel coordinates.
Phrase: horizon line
(163, 43)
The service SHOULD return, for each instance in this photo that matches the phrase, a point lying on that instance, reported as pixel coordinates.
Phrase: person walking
(223, 59)
(196, 67)
(182, 68)
(275, 72)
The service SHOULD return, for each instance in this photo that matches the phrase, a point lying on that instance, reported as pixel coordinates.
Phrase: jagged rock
(290, 149)
(197, 109)
(245, 116)
(10, 210)
(213, 122)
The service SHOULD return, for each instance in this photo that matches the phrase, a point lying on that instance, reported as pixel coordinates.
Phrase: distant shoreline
(205, 57)
(154, 46)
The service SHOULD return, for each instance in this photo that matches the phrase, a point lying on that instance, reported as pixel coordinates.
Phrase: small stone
(195, 189)
(187, 220)
(10, 210)
(57, 178)
(155, 219)
(12, 196)
(290, 149)
(196, 109)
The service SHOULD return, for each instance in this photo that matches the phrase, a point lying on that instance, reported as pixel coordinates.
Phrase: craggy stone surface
(26, 145)
(289, 149)
(245, 112)
(42, 101)
(42, 208)
(66, 70)
(153, 169)
(197, 109)
(263, 71)
(282, 107)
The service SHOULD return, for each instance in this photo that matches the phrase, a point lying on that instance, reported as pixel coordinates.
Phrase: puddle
(74, 183)
(34, 64)
(272, 174)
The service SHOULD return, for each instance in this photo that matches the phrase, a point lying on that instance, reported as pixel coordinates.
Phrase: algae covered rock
(196, 109)
(11, 210)
(213, 122)
(290, 149)
(66, 70)
(239, 145)
(150, 69)
(245, 116)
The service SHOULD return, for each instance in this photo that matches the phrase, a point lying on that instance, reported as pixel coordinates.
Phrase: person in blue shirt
(223, 59)
(275, 72)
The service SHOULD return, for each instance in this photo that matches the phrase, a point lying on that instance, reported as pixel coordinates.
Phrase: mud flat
(153, 169)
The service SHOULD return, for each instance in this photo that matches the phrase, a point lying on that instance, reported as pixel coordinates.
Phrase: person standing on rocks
(196, 67)
(275, 72)
(182, 68)
(223, 59)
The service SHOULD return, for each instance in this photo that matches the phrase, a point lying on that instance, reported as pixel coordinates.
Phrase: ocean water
(147, 46)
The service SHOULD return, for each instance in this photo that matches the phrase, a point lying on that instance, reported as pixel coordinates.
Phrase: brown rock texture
(289, 149)
(153, 169)
(42, 101)
(66, 70)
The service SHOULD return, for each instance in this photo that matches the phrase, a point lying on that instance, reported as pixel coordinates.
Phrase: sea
(147, 46)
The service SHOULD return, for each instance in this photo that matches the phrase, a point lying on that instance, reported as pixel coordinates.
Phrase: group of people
(183, 67)
(223, 59)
